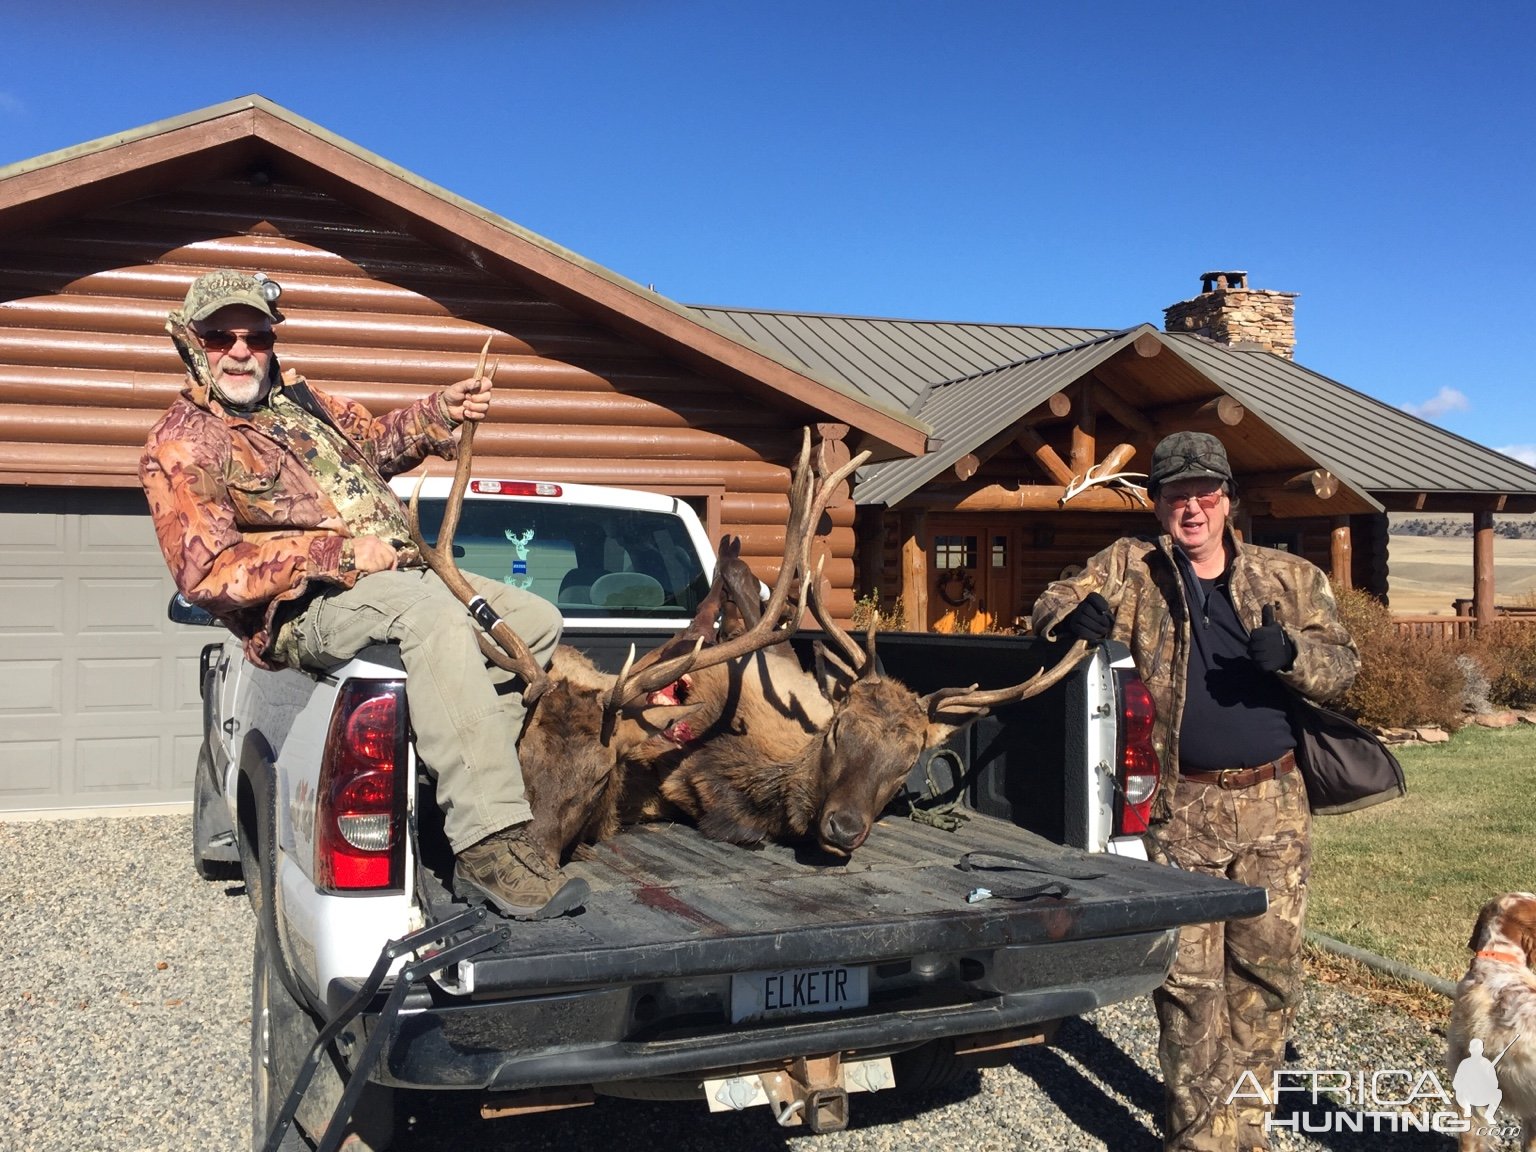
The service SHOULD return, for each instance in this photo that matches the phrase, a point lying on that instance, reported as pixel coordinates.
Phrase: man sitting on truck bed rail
(1222, 632)
(271, 503)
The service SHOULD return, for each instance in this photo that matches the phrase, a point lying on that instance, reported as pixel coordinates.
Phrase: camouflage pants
(1231, 996)
(465, 713)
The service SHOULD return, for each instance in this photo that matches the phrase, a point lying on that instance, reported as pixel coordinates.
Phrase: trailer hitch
(408, 976)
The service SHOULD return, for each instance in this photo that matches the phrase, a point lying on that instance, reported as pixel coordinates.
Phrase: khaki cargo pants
(1232, 994)
(466, 713)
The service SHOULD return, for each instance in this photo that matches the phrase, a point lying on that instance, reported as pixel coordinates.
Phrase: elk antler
(509, 652)
(969, 700)
(807, 502)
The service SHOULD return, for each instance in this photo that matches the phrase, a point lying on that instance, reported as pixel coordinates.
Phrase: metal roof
(967, 413)
(970, 381)
(1369, 443)
(894, 362)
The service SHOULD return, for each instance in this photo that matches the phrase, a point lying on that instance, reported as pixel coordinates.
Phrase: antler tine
(807, 502)
(947, 699)
(461, 470)
(852, 653)
(509, 652)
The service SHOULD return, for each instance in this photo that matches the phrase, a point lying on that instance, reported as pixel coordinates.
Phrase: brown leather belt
(1231, 778)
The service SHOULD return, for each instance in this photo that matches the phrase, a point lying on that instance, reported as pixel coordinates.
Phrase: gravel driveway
(126, 1014)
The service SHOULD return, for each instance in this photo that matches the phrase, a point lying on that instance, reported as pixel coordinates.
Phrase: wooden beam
(1147, 345)
(1482, 568)
(914, 569)
(1201, 416)
(1027, 498)
(1085, 452)
(1109, 400)
(1055, 467)
(1053, 408)
(1341, 555)
(966, 466)
(1318, 481)
(1430, 502)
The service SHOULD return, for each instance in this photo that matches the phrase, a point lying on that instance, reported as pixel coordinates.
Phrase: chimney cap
(1210, 281)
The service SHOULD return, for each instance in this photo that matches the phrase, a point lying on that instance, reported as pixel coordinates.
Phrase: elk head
(880, 728)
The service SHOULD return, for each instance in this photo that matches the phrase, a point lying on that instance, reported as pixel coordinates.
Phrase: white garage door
(98, 690)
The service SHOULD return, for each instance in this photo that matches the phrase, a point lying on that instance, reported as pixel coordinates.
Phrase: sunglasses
(218, 340)
(1204, 499)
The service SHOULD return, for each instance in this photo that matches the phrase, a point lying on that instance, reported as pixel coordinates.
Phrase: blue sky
(1074, 164)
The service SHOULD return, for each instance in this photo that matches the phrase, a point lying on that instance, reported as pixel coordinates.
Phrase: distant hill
(1511, 529)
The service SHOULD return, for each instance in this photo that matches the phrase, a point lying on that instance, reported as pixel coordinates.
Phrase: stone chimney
(1229, 312)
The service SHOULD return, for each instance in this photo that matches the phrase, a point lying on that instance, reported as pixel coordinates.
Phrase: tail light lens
(1139, 769)
(359, 842)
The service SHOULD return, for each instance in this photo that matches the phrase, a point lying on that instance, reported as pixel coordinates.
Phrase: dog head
(1505, 922)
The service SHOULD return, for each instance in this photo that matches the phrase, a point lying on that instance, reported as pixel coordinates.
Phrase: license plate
(762, 995)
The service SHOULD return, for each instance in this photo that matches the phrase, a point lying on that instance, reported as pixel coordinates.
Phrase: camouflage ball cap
(214, 290)
(1188, 456)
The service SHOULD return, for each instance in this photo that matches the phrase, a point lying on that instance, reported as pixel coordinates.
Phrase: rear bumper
(679, 1028)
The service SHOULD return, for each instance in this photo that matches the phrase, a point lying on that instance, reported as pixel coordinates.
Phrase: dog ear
(1485, 917)
(1523, 928)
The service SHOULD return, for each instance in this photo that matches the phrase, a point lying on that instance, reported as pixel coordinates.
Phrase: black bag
(1345, 767)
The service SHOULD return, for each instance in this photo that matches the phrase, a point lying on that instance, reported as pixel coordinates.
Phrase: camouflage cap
(1188, 456)
(214, 290)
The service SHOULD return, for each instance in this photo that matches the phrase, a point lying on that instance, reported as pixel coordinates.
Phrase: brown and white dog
(1494, 1020)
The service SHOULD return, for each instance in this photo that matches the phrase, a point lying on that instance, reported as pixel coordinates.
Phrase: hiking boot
(512, 875)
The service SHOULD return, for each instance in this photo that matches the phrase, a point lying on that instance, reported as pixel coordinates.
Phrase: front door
(973, 566)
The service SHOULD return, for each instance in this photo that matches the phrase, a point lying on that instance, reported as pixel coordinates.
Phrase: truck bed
(666, 902)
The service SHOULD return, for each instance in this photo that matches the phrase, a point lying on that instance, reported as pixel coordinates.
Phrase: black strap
(1018, 862)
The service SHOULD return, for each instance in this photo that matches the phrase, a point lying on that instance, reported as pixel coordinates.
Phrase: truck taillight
(1139, 768)
(361, 802)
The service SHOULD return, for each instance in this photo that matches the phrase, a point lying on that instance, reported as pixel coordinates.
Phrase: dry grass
(1407, 996)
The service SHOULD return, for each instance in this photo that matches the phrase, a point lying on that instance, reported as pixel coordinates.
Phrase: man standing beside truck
(1223, 633)
(273, 510)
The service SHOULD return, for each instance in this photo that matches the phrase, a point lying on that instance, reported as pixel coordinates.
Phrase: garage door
(98, 690)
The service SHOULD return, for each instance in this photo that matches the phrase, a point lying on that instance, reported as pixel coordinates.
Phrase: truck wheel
(270, 1005)
(207, 822)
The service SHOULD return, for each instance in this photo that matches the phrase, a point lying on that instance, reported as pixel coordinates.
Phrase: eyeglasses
(257, 340)
(1204, 499)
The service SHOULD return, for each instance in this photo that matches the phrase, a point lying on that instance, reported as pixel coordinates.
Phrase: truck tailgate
(667, 903)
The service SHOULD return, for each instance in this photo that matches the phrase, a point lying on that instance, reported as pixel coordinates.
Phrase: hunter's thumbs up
(1268, 645)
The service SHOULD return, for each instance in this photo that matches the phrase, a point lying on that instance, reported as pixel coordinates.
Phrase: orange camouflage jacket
(241, 521)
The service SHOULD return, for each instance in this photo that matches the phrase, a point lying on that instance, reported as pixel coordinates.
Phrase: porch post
(1342, 555)
(914, 570)
(1482, 568)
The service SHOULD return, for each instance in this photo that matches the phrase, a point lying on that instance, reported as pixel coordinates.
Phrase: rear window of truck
(590, 561)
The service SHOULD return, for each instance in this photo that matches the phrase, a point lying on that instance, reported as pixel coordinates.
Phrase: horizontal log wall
(378, 315)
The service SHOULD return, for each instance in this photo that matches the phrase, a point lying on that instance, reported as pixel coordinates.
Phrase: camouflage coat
(1140, 580)
(241, 520)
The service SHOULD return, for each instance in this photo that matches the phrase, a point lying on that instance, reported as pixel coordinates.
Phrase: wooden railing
(1435, 627)
(1455, 627)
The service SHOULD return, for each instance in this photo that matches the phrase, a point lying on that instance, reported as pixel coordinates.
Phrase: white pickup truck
(1004, 891)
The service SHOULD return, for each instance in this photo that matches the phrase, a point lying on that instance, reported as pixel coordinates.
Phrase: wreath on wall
(961, 578)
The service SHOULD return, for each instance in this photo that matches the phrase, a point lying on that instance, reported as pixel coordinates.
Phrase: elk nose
(843, 831)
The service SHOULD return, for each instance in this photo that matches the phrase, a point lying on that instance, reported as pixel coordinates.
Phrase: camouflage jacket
(1140, 580)
(242, 522)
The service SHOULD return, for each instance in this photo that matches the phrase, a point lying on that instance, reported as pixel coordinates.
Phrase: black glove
(1091, 620)
(1268, 645)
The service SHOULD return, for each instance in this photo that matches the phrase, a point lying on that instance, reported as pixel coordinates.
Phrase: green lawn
(1405, 879)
